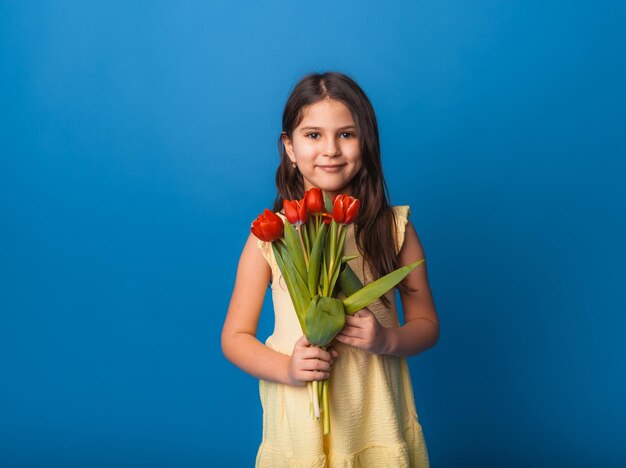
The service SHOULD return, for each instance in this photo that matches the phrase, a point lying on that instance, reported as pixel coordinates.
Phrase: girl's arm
(421, 328)
(239, 342)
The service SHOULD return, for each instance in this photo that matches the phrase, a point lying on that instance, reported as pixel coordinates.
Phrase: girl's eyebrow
(345, 127)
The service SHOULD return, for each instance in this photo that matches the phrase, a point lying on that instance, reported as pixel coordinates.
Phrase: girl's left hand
(363, 330)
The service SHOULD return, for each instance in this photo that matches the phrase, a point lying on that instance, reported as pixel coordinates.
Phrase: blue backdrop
(138, 141)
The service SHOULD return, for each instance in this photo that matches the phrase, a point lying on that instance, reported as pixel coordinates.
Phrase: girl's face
(325, 147)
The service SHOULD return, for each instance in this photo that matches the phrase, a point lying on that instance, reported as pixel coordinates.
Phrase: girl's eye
(316, 135)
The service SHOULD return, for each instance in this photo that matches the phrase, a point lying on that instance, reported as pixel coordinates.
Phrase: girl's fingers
(363, 313)
(356, 322)
(303, 341)
(307, 375)
(315, 365)
(313, 352)
(345, 339)
(351, 340)
(351, 331)
(317, 375)
(309, 351)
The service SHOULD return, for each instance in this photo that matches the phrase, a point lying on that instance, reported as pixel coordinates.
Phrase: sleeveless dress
(373, 421)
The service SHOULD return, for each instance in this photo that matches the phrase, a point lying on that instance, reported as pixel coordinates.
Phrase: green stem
(310, 388)
(325, 406)
(316, 399)
(307, 242)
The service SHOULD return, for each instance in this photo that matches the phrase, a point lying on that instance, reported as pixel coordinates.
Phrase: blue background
(138, 141)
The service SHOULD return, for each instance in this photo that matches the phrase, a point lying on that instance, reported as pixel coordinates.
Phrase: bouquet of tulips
(309, 252)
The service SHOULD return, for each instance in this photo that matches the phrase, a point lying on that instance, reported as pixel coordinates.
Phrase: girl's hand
(364, 331)
(309, 363)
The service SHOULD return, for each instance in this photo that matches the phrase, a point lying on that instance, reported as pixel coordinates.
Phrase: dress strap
(401, 214)
(266, 250)
(268, 254)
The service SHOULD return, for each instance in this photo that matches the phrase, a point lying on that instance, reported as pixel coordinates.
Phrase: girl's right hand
(309, 363)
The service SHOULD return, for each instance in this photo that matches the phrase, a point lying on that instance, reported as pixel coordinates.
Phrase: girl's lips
(331, 168)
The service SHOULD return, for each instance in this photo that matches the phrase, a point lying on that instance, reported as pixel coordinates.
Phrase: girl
(330, 141)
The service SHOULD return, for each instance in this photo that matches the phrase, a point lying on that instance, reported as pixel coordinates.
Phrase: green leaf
(299, 283)
(347, 258)
(325, 318)
(310, 228)
(305, 237)
(327, 252)
(348, 281)
(328, 203)
(378, 288)
(292, 239)
(325, 278)
(333, 242)
(316, 260)
(336, 264)
(291, 276)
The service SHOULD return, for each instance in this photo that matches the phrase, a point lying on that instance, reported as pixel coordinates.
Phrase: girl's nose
(332, 148)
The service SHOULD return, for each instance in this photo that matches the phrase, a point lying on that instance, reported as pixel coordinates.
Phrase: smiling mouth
(331, 168)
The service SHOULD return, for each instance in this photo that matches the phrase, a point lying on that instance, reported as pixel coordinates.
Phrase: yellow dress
(373, 421)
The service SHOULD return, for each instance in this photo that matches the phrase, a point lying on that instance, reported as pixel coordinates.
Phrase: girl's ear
(288, 147)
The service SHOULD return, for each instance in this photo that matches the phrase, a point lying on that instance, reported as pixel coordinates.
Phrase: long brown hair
(375, 225)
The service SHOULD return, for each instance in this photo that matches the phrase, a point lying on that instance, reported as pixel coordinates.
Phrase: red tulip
(295, 211)
(268, 226)
(314, 200)
(345, 209)
(327, 218)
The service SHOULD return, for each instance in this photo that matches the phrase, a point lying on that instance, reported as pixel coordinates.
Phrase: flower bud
(295, 211)
(314, 200)
(268, 226)
(345, 209)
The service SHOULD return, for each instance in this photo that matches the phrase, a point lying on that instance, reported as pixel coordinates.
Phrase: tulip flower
(295, 211)
(268, 226)
(314, 200)
(345, 209)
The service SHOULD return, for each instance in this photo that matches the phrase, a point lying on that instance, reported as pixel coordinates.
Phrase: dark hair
(375, 225)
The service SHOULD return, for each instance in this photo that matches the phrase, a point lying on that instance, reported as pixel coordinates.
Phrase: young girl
(330, 141)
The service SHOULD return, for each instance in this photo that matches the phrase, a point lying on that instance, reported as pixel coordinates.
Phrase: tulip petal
(303, 214)
(352, 211)
(267, 226)
(314, 200)
(291, 211)
(338, 210)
